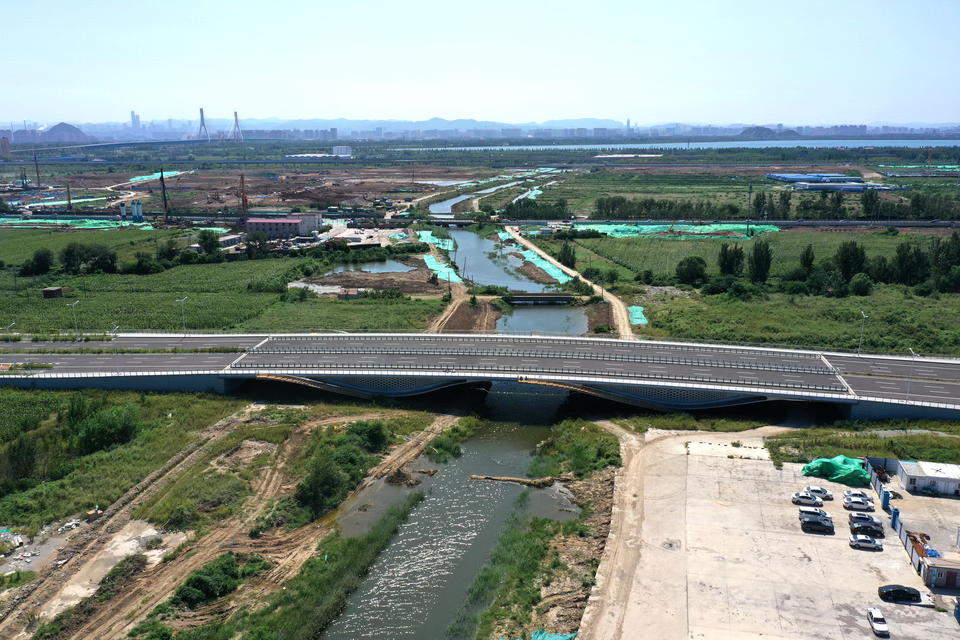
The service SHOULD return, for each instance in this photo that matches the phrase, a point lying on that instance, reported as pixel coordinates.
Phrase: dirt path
(621, 317)
(286, 550)
(459, 297)
(634, 575)
(93, 539)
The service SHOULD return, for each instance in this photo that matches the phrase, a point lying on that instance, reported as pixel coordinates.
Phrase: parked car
(867, 530)
(858, 541)
(856, 493)
(816, 525)
(898, 593)
(807, 500)
(820, 492)
(814, 512)
(864, 518)
(877, 622)
(856, 504)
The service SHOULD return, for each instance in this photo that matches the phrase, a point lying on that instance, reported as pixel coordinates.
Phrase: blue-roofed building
(813, 177)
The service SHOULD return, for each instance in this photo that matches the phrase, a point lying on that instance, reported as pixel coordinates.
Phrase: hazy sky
(650, 60)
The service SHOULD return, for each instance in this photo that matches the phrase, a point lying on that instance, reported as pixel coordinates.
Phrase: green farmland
(17, 245)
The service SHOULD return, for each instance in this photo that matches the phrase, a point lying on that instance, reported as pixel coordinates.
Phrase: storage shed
(937, 477)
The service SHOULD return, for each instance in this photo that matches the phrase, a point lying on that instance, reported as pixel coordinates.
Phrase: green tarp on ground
(848, 471)
(636, 315)
(681, 230)
(543, 635)
(444, 272)
(551, 270)
(440, 243)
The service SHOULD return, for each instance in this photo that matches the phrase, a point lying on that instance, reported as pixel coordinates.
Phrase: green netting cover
(848, 471)
(543, 635)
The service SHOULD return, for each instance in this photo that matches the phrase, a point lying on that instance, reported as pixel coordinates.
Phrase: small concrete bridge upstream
(653, 374)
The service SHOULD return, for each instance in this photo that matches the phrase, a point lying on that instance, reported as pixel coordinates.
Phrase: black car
(867, 530)
(816, 525)
(898, 593)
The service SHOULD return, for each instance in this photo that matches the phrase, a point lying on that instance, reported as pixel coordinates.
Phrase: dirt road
(621, 317)
(641, 589)
(286, 550)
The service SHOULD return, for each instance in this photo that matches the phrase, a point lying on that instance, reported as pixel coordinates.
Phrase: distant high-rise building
(4, 145)
(134, 121)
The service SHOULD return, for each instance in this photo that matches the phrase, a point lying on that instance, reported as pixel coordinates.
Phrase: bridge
(653, 374)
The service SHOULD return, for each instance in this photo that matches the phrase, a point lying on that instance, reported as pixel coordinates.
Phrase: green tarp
(551, 270)
(848, 471)
(636, 315)
(444, 272)
(728, 230)
(543, 635)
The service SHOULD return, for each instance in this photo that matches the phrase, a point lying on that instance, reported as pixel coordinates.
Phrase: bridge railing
(319, 368)
(578, 355)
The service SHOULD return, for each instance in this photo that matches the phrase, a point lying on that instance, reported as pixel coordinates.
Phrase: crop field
(346, 315)
(582, 189)
(17, 245)
(661, 255)
(898, 320)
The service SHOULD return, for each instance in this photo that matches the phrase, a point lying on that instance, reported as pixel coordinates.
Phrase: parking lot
(723, 556)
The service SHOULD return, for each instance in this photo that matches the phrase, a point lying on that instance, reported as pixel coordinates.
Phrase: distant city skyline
(752, 61)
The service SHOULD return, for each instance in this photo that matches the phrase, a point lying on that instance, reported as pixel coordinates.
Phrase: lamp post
(863, 320)
(183, 312)
(9, 326)
(73, 306)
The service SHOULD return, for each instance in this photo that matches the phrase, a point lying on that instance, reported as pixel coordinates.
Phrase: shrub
(861, 285)
(692, 270)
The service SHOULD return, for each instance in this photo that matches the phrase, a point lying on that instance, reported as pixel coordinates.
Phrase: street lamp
(183, 313)
(73, 306)
(9, 326)
(863, 320)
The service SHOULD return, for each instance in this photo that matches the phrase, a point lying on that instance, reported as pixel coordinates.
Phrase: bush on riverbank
(578, 446)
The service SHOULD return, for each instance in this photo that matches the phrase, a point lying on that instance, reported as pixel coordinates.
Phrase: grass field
(167, 422)
(661, 255)
(898, 320)
(217, 300)
(17, 245)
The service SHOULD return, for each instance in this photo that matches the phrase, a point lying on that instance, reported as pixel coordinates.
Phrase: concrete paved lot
(937, 517)
(723, 556)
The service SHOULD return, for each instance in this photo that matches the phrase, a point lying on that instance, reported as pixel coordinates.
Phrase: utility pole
(36, 166)
(183, 313)
(244, 203)
(863, 321)
(163, 193)
(73, 306)
(69, 201)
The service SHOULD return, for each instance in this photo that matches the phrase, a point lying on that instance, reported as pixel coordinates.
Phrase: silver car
(857, 493)
(820, 492)
(865, 542)
(807, 500)
(813, 512)
(864, 518)
(856, 504)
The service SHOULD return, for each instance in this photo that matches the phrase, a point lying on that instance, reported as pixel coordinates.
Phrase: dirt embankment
(482, 317)
(416, 281)
(599, 314)
(534, 272)
(563, 596)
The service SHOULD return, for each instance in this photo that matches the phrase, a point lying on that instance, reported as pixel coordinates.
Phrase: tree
(567, 256)
(39, 264)
(692, 270)
(92, 258)
(784, 205)
(473, 301)
(806, 259)
(870, 200)
(759, 204)
(324, 486)
(208, 241)
(611, 276)
(167, 250)
(761, 257)
(861, 284)
(730, 259)
(910, 264)
(850, 259)
(257, 246)
(836, 203)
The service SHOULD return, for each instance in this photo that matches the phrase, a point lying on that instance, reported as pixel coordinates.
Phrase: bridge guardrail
(581, 355)
(462, 367)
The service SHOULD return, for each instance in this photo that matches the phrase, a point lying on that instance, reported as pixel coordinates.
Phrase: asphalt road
(916, 379)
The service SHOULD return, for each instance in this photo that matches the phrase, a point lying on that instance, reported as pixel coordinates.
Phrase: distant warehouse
(284, 227)
(813, 177)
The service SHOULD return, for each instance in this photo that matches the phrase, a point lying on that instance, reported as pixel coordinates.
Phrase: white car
(865, 542)
(815, 513)
(856, 493)
(877, 622)
(856, 504)
(820, 492)
(864, 518)
(807, 500)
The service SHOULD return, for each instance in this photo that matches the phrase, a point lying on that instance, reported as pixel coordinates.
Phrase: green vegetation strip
(308, 603)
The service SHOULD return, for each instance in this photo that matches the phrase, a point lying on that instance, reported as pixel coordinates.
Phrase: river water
(481, 262)
(726, 144)
(386, 266)
(417, 585)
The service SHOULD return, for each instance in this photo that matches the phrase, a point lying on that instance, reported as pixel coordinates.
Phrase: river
(417, 585)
